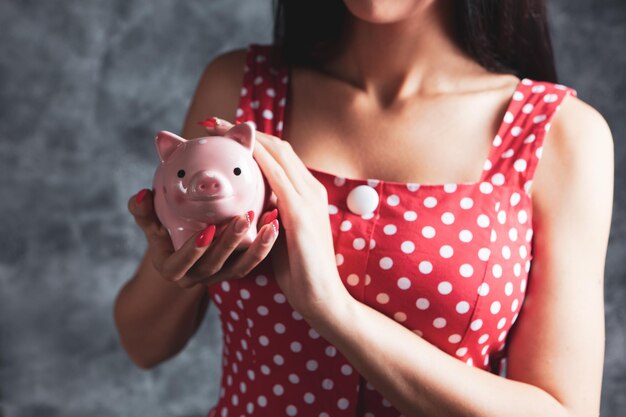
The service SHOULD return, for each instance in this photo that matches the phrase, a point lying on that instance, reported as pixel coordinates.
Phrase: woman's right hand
(204, 258)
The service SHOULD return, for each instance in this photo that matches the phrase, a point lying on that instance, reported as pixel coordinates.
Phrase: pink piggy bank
(207, 181)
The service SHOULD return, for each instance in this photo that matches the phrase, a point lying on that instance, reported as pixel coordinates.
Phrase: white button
(363, 199)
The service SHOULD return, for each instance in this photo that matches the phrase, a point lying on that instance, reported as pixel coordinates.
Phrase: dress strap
(519, 142)
(263, 91)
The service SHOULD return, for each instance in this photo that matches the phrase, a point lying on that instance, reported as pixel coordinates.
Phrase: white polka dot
(279, 360)
(514, 305)
(454, 338)
(235, 399)
(449, 188)
(280, 298)
(465, 236)
(496, 270)
(353, 279)
(330, 351)
(506, 252)
(520, 165)
(339, 181)
(447, 218)
(485, 187)
(428, 232)
(466, 270)
(482, 339)
(410, 216)
(522, 216)
(502, 336)
(327, 384)
(358, 243)
(476, 324)
(484, 254)
(516, 131)
(343, 403)
(407, 247)
(497, 179)
(332, 209)
(467, 203)
(495, 307)
(250, 408)
(501, 323)
(518, 96)
(522, 285)
(270, 92)
(279, 328)
(444, 287)
(373, 182)
(393, 200)
(550, 98)
(508, 288)
(446, 251)
(313, 334)
(372, 243)
(430, 202)
(339, 259)
(422, 303)
(311, 365)
(382, 298)
(278, 389)
(345, 225)
(539, 88)
(346, 369)
(483, 220)
(296, 346)
(425, 267)
(309, 398)
(483, 289)
(262, 310)
(386, 262)
(462, 307)
(461, 351)
(497, 141)
(412, 187)
(508, 117)
(390, 229)
(291, 410)
(517, 267)
(513, 234)
(225, 286)
(245, 294)
(439, 322)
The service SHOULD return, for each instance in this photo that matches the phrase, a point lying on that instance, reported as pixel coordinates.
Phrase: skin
(439, 111)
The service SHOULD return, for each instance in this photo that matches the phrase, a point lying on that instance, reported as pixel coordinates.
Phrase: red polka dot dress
(450, 262)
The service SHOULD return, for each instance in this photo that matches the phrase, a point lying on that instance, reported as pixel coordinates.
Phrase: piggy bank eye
(237, 171)
(181, 173)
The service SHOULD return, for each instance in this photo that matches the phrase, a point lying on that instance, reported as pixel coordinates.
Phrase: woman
(395, 284)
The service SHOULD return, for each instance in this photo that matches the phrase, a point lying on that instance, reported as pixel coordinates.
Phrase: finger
(141, 206)
(276, 176)
(223, 247)
(216, 126)
(176, 265)
(256, 252)
(283, 153)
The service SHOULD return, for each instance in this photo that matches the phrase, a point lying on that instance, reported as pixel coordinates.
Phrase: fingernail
(242, 224)
(205, 238)
(210, 122)
(250, 217)
(270, 216)
(141, 195)
(271, 232)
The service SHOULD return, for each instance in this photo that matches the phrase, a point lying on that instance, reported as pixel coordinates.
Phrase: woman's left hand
(303, 257)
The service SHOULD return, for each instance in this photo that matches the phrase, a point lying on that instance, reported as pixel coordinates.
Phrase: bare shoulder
(217, 91)
(577, 158)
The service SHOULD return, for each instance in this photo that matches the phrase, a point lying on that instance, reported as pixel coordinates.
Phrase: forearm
(421, 380)
(155, 317)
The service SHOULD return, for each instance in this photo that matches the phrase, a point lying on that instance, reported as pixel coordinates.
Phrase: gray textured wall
(83, 86)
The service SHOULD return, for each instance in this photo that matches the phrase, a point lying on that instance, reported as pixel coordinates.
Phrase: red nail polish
(250, 217)
(205, 238)
(210, 122)
(271, 216)
(141, 195)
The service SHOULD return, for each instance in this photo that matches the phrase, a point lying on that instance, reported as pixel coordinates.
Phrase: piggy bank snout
(209, 184)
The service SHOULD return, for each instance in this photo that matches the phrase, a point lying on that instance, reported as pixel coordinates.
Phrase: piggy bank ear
(243, 133)
(166, 143)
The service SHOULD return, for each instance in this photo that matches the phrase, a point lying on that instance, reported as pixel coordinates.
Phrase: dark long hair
(504, 36)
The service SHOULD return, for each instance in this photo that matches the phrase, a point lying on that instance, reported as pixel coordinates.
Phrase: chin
(385, 11)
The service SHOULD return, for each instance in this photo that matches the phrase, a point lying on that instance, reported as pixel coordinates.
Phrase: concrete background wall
(83, 87)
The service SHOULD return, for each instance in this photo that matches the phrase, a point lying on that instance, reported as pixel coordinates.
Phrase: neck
(391, 62)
